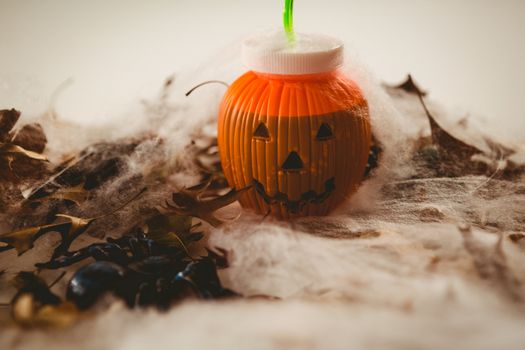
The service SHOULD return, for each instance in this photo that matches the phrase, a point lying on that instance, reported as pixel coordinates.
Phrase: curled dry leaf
(208, 162)
(449, 156)
(446, 155)
(20, 153)
(9, 150)
(449, 146)
(189, 203)
(75, 194)
(29, 142)
(31, 137)
(73, 228)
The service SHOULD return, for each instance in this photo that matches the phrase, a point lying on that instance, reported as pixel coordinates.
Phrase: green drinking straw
(288, 20)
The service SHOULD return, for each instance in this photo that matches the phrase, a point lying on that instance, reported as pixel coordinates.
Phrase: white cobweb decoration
(405, 263)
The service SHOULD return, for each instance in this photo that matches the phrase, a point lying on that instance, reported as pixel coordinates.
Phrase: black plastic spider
(141, 272)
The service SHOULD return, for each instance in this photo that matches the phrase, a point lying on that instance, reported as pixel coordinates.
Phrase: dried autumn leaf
(447, 143)
(70, 231)
(456, 156)
(208, 162)
(189, 203)
(172, 231)
(410, 86)
(23, 240)
(76, 195)
(77, 226)
(176, 241)
(53, 184)
(161, 224)
(448, 155)
(8, 119)
(93, 167)
(20, 152)
(16, 169)
(31, 137)
(12, 150)
(76, 222)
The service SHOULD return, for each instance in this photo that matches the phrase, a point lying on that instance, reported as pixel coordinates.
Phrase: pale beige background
(469, 53)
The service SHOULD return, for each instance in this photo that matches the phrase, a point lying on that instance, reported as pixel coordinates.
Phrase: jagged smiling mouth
(298, 205)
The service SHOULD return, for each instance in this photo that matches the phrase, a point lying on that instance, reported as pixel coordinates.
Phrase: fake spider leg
(207, 288)
(64, 261)
(98, 251)
(138, 245)
(136, 248)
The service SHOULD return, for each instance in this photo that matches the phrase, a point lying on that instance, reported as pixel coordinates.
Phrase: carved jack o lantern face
(302, 142)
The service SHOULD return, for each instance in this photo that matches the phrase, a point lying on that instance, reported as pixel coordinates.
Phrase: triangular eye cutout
(324, 132)
(293, 162)
(261, 132)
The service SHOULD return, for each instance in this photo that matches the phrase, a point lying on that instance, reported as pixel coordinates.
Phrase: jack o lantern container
(294, 128)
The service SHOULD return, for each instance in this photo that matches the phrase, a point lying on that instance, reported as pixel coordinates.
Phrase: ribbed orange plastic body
(302, 142)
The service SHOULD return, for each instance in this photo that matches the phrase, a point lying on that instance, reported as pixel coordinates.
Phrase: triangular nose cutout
(261, 132)
(293, 162)
(324, 132)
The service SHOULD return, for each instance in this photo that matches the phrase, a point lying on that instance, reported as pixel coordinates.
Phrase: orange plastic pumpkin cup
(300, 140)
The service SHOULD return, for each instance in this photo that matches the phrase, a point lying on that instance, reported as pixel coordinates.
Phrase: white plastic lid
(309, 54)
